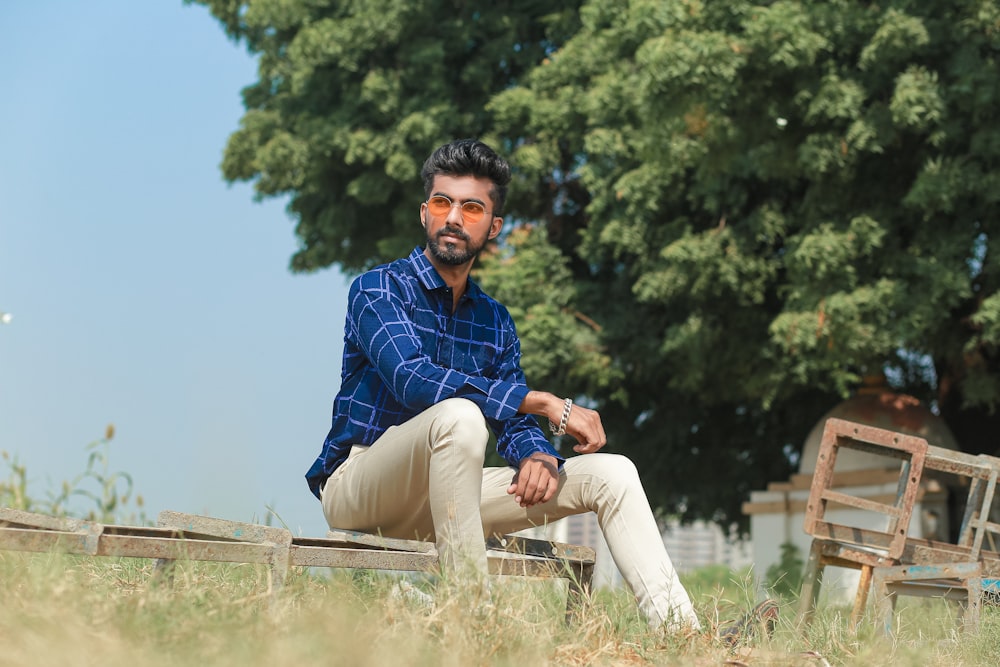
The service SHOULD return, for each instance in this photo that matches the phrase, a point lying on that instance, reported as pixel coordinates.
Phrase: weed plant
(96, 494)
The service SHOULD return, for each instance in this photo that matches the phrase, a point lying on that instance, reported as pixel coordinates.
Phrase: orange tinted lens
(439, 206)
(472, 211)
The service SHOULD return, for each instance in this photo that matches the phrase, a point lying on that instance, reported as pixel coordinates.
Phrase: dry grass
(60, 610)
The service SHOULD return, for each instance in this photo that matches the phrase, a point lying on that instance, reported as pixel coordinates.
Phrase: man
(430, 364)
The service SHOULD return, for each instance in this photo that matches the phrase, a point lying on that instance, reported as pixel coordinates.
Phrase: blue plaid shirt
(404, 351)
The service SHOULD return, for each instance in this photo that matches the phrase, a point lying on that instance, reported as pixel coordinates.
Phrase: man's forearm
(579, 422)
(543, 404)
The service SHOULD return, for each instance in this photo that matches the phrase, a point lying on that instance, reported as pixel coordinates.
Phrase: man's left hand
(536, 481)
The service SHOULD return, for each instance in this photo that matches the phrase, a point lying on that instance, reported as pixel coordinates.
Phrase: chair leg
(811, 580)
(861, 598)
(164, 570)
(970, 615)
(579, 591)
(885, 603)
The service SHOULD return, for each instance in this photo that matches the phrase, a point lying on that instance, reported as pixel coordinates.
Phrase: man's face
(453, 237)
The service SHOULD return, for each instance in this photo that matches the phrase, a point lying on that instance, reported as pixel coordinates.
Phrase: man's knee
(612, 475)
(461, 411)
(619, 469)
(461, 422)
(605, 465)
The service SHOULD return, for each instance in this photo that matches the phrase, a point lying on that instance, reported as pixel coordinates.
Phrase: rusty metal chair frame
(910, 451)
(892, 563)
(190, 537)
(982, 472)
(960, 582)
(851, 546)
(954, 572)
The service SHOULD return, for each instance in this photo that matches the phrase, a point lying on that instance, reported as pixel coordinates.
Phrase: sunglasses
(440, 206)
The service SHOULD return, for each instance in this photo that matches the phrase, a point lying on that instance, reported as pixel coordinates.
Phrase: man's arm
(583, 424)
(537, 477)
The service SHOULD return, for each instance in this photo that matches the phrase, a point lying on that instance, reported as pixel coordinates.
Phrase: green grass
(60, 610)
(69, 610)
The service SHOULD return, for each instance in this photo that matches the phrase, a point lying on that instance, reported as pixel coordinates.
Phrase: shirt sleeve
(386, 335)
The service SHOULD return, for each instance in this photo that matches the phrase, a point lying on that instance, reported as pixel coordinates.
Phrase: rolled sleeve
(519, 438)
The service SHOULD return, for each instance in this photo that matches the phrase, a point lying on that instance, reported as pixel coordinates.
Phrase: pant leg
(607, 484)
(421, 479)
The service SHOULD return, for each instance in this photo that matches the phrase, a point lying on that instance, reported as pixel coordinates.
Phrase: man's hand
(536, 481)
(585, 425)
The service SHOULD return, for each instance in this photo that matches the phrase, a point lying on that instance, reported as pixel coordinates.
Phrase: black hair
(469, 157)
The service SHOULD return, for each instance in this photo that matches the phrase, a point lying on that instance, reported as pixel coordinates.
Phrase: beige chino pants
(424, 479)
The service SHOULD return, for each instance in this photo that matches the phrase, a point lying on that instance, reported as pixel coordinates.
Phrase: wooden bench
(179, 537)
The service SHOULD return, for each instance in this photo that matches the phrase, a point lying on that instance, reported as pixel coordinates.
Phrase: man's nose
(455, 218)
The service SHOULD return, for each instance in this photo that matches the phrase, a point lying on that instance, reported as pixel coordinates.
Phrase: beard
(451, 254)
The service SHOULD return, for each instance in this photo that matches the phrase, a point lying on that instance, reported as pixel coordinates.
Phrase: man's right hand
(584, 424)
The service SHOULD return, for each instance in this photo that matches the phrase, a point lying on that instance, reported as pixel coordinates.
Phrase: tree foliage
(352, 96)
(724, 213)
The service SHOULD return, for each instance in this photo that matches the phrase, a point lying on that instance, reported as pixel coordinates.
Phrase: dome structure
(876, 405)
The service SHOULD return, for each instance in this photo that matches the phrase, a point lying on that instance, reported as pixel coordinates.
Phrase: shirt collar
(432, 280)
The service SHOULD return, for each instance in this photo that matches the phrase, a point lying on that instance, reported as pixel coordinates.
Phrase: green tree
(774, 200)
(352, 96)
(736, 210)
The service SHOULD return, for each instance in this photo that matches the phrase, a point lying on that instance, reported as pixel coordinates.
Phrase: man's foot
(478, 602)
(761, 617)
(406, 592)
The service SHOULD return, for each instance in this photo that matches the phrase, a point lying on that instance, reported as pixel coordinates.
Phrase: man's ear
(495, 226)
(423, 215)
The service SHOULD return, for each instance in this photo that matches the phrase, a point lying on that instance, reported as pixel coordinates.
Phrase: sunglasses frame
(478, 212)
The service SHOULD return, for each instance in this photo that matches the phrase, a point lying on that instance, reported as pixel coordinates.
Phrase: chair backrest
(981, 474)
(907, 453)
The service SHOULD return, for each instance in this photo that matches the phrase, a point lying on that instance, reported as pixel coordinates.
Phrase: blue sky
(145, 291)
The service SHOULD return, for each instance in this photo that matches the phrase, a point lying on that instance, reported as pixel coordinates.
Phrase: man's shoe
(409, 594)
(762, 617)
